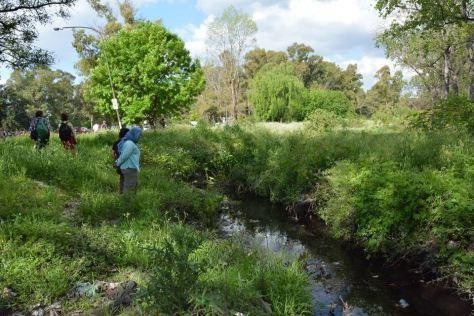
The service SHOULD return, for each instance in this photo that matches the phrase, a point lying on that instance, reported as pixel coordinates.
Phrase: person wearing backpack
(129, 160)
(40, 130)
(116, 154)
(67, 133)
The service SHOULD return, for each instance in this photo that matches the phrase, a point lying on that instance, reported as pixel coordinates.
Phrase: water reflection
(341, 283)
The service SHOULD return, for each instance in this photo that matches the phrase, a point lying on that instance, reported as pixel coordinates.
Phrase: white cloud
(339, 30)
(195, 37)
(216, 7)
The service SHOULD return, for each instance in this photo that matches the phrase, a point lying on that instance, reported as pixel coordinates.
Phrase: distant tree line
(150, 72)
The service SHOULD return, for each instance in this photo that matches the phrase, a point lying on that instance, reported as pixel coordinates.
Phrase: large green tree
(18, 21)
(152, 72)
(14, 110)
(52, 91)
(277, 94)
(87, 44)
(315, 72)
(259, 57)
(434, 15)
(440, 59)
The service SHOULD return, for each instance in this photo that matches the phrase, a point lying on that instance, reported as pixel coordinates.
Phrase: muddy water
(341, 282)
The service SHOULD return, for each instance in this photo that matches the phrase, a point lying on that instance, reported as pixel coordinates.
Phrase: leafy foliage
(151, 70)
(330, 101)
(321, 120)
(277, 94)
(18, 19)
(386, 92)
(52, 91)
(453, 113)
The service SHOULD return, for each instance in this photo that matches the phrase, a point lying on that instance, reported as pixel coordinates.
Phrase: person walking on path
(129, 160)
(116, 154)
(40, 130)
(67, 134)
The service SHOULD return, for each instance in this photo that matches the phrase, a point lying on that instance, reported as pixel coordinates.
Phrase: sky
(341, 31)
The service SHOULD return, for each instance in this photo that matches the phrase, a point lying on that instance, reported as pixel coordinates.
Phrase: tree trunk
(447, 70)
(470, 47)
(234, 97)
(455, 83)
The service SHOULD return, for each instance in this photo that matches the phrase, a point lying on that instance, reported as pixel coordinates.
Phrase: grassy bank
(406, 195)
(62, 222)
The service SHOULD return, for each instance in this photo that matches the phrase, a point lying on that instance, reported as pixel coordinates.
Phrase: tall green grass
(406, 194)
(62, 222)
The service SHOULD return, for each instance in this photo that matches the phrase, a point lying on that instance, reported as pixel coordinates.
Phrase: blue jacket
(129, 156)
(129, 152)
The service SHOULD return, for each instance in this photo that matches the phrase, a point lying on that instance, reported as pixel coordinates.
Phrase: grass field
(62, 222)
(397, 194)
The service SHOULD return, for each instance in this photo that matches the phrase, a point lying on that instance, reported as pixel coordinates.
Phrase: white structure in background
(95, 127)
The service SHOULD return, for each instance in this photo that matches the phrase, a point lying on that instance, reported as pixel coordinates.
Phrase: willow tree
(151, 70)
(277, 94)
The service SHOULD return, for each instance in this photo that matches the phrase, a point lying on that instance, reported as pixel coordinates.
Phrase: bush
(321, 120)
(332, 101)
(453, 113)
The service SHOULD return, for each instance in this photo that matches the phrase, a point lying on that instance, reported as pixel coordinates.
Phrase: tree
(259, 57)
(276, 94)
(13, 112)
(440, 59)
(153, 73)
(432, 15)
(18, 19)
(87, 45)
(386, 92)
(317, 73)
(215, 95)
(229, 37)
(52, 91)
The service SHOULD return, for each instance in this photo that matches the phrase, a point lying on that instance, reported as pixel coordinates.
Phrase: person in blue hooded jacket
(129, 160)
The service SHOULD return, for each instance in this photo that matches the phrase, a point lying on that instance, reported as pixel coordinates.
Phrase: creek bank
(343, 281)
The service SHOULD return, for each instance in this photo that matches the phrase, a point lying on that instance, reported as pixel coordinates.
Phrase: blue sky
(342, 31)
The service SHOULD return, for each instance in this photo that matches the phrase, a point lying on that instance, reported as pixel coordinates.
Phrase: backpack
(42, 129)
(65, 132)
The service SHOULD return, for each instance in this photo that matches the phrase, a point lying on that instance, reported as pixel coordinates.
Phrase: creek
(342, 281)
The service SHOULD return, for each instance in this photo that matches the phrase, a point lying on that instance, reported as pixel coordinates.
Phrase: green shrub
(322, 121)
(332, 101)
(453, 113)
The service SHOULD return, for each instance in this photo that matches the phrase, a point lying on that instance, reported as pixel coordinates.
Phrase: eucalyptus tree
(18, 21)
(434, 15)
(230, 36)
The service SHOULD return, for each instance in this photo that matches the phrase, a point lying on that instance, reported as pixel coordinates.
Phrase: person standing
(40, 130)
(104, 125)
(129, 160)
(67, 134)
(116, 154)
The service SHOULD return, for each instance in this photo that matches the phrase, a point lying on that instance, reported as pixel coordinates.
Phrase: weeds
(48, 244)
